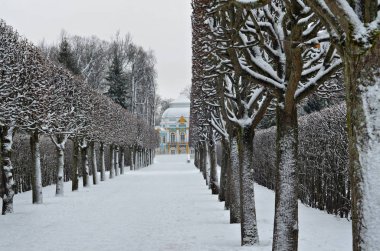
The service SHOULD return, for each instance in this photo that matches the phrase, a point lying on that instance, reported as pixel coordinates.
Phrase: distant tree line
(42, 99)
(261, 63)
(118, 68)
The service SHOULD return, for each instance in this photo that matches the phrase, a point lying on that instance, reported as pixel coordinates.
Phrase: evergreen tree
(66, 56)
(117, 79)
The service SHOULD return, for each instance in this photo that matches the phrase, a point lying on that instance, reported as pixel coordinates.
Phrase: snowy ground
(163, 207)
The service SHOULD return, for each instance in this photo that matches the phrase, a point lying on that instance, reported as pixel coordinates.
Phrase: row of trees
(249, 56)
(39, 97)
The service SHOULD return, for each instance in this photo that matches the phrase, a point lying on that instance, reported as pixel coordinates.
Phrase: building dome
(174, 128)
(178, 108)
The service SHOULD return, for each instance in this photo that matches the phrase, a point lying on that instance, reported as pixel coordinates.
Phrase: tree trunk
(223, 172)
(285, 232)
(207, 165)
(139, 165)
(75, 167)
(234, 183)
(202, 168)
(7, 182)
(60, 150)
(362, 78)
(117, 171)
(203, 161)
(151, 156)
(146, 157)
(249, 233)
(36, 160)
(143, 158)
(94, 164)
(136, 160)
(85, 166)
(102, 163)
(196, 163)
(214, 182)
(112, 162)
(152, 151)
(132, 162)
(122, 160)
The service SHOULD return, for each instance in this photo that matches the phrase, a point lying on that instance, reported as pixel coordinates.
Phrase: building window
(163, 139)
(182, 137)
(172, 138)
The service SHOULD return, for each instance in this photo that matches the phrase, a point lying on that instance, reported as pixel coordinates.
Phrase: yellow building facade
(174, 128)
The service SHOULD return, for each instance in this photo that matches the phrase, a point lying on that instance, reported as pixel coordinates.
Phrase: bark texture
(285, 232)
(102, 163)
(60, 150)
(234, 188)
(202, 161)
(122, 160)
(36, 160)
(132, 159)
(85, 166)
(112, 161)
(214, 182)
(249, 233)
(196, 158)
(7, 182)
(94, 164)
(117, 171)
(75, 167)
(362, 73)
(228, 164)
(223, 172)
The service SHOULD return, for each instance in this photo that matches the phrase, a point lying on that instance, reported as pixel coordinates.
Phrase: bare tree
(40, 98)
(354, 27)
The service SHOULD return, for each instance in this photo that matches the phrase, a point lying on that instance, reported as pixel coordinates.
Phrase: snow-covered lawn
(163, 207)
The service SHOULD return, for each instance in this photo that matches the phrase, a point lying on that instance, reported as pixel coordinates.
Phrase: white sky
(161, 25)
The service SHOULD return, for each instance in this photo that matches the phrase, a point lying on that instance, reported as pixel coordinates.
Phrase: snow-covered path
(162, 207)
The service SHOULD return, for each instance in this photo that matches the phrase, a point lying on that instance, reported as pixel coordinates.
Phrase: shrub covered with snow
(323, 160)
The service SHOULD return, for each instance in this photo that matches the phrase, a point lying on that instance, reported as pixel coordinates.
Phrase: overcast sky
(161, 25)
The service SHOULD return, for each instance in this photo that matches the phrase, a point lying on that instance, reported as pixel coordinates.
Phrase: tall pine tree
(117, 79)
(66, 57)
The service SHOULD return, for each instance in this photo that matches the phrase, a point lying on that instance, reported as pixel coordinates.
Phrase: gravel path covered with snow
(162, 207)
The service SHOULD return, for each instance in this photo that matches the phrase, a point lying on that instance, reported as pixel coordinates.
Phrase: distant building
(174, 128)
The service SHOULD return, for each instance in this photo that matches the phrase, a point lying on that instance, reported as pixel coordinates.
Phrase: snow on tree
(70, 105)
(24, 106)
(265, 49)
(9, 110)
(289, 57)
(120, 68)
(243, 104)
(41, 98)
(354, 27)
(91, 55)
(66, 56)
(197, 113)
